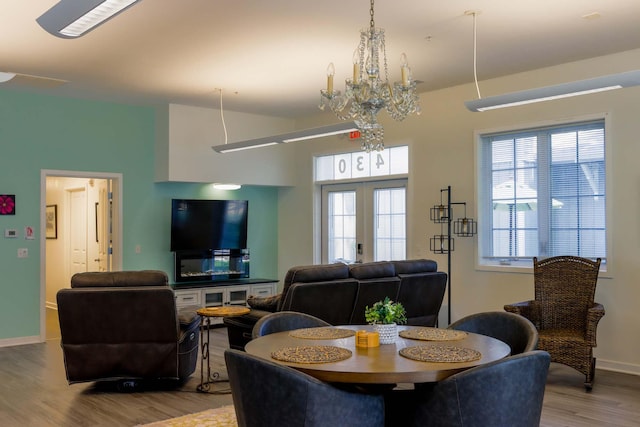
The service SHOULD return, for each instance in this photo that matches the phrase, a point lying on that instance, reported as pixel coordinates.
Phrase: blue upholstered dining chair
(285, 321)
(515, 330)
(505, 393)
(267, 394)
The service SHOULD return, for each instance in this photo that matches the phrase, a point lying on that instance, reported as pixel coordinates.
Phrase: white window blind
(542, 193)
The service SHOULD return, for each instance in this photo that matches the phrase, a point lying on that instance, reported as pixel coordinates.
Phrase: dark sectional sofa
(339, 293)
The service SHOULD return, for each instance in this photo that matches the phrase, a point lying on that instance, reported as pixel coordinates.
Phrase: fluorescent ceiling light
(5, 77)
(236, 146)
(227, 186)
(300, 135)
(565, 90)
(73, 18)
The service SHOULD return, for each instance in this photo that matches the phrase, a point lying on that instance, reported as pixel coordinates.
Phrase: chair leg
(588, 385)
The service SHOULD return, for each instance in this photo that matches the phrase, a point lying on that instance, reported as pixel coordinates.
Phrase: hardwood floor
(34, 392)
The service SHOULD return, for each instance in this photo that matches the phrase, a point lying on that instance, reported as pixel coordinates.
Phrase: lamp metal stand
(444, 243)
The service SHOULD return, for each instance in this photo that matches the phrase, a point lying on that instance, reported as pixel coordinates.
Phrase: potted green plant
(385, 316)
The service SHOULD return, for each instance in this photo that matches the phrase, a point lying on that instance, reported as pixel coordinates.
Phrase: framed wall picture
(51, 221)
(7, 204)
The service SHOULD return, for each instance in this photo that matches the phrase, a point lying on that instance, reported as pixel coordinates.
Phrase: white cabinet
(222, 295)
(263, 289)
(188, 297)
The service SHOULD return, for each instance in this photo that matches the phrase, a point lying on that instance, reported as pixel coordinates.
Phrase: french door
(363, 222)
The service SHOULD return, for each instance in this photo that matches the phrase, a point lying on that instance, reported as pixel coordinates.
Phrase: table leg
(206, 381)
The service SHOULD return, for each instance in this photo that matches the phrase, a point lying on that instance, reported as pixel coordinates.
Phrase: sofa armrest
(526, 309)
(269, 304)
(187, 316)
(594, 314)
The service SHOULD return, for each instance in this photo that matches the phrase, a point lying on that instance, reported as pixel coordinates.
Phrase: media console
(217, 278)
(222, 293)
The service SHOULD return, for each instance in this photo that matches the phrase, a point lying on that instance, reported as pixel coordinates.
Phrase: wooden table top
(383, 364)
(226, 311)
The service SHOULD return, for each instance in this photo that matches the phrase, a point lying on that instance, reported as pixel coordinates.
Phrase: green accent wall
(45, 132)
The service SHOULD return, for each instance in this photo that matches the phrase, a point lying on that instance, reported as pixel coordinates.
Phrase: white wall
(442, 153)
(184, 153)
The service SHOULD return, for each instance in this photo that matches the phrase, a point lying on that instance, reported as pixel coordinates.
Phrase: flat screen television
(203, 225)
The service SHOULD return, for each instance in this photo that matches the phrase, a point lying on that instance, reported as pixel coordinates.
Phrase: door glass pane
(342, 226)
(238, 297)
(390, 241)
(213, 299)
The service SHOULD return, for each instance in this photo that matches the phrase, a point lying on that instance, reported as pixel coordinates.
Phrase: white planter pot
(388, 333)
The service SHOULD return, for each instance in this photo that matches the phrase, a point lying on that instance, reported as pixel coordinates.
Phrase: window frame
(524, 264)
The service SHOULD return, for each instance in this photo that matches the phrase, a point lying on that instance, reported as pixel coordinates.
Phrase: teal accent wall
(45, 132)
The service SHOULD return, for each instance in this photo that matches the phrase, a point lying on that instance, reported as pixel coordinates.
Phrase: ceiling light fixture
(368, 91)
(5, 77)
(547, 93)
(565, 90)
(72, 18)
(300, 135)
(219, 186)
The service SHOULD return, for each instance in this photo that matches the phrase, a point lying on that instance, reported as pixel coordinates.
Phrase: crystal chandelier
(368, 91)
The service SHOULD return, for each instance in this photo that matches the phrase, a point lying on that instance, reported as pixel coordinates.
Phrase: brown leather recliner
(123, 325)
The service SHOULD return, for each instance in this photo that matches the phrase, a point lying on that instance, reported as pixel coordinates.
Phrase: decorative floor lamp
(443, 243)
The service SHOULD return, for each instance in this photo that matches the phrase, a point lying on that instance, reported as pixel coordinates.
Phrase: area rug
(225, 416)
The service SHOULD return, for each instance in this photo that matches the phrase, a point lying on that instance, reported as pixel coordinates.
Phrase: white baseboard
(610, 365)
(10, 342)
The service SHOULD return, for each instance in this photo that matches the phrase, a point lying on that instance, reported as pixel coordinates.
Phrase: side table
(206, 314)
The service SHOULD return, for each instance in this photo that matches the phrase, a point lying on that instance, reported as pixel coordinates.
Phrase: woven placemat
(433, 334)
(322, 333)
(440, 353)
(312, 354)
(223, 311)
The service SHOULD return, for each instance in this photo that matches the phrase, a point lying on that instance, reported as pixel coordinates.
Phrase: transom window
(542, 193)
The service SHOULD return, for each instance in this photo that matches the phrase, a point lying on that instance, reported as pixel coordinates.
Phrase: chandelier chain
(372, 23)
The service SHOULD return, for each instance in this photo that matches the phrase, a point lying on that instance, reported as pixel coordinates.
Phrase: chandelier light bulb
(356, 67)
(405, 71)
(331, 71)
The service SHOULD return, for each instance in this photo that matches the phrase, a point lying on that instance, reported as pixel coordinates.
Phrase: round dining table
(383, 364)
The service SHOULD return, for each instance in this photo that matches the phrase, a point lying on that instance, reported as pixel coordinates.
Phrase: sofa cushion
(119, 279)
(312, 273)
(415, 266)
(330, 301)
(372, 270)
(421, 295)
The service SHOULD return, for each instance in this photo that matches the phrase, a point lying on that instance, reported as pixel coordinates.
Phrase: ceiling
(270, 57)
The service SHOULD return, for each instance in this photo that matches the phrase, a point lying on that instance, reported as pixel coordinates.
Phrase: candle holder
(441, 244)
(465, 227)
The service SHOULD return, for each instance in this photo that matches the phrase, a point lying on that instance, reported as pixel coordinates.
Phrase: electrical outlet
(23, 253)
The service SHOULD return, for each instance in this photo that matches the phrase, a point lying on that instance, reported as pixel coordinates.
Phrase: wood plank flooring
(34, 392)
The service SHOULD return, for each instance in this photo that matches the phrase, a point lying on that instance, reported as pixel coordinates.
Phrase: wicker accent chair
(564, 311)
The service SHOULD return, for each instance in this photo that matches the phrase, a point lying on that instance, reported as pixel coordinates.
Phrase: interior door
(103, 235)
(78, 231)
